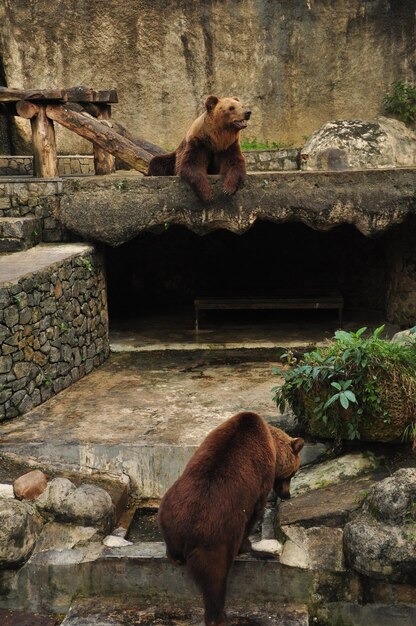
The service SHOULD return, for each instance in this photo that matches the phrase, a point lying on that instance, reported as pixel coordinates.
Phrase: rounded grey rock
(20, 525)
(88, 505)
(56, 492)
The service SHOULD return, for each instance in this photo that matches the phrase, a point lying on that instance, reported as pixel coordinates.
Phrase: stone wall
(401, 297)
(53, 329)
(68, 165)
(76, 164)
(36, 198)
(296, 64)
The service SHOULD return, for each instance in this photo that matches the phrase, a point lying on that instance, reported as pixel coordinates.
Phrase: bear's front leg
(192, 166)
(233, 168)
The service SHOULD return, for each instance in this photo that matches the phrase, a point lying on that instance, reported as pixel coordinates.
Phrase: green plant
(64, 327)
(75, 185)
(401, 101)
(85, 263)
(253, 144)
(120, 184)
(349, 383)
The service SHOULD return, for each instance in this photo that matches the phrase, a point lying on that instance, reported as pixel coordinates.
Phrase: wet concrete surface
(152, 399)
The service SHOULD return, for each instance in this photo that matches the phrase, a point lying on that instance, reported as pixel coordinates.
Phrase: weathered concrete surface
(52, 578)
(151, 414)
(296, 64)
(115, 209)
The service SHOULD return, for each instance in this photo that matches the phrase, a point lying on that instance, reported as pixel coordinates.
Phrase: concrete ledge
(116, 208)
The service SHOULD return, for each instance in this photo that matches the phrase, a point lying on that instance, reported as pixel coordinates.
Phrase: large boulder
(358, 144)
(381, 541)
(20, 525)
(86, 505)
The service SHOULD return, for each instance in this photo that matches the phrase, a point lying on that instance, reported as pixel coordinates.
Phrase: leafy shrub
(401, 101)
(353, 386)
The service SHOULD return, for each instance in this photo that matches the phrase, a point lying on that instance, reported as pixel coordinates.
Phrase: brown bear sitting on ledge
(209, 512)
(211, 146)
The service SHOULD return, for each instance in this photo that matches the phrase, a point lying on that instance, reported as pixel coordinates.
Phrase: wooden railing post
(104, 162)
(45, 159)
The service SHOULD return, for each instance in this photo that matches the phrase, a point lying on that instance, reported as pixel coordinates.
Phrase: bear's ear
(297, 445)
(235, 98)
(210, 102)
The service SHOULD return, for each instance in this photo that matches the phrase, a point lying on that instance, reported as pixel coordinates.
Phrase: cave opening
(154, 279)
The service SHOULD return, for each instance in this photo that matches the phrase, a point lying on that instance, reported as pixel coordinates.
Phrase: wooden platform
(318, 301)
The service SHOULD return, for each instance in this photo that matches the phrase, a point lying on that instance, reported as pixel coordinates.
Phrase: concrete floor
(148, 399)
(230, 330)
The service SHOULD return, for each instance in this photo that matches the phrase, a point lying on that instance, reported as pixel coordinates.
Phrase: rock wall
(38, 199)
(401, 297)
(53, 330)
(296, 64)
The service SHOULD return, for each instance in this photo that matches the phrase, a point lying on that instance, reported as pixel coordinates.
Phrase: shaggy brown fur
(209, 512)
(211, 146)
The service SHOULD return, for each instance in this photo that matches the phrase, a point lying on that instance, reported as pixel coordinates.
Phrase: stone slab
(51, 579)
(372, 200)
(15, 266)
(121, 612)
(330, 506)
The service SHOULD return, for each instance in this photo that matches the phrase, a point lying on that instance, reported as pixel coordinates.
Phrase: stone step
(118, 612)
(19, 233)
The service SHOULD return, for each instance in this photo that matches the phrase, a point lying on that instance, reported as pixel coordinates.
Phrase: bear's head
(227, 113)
(287, 460)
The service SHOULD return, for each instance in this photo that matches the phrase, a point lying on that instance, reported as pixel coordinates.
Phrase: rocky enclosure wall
(53, 330)
(39, 199)
(296, 64)
(76, 164)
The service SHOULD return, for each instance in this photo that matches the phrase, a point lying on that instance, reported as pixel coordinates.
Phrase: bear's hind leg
(209, 569)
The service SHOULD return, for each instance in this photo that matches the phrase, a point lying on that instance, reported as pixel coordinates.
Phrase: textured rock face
(297, 64)
(372, 201)
(20, 525)
(380, 542)
(355, 144)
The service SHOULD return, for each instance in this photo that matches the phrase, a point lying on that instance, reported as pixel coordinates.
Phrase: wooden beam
(101, 135)
(8, 94)
(86, 94)
(45, 161)
(94, 110)
(104, 162)
(74, 94)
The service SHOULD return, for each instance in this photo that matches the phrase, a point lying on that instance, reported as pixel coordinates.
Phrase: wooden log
(94, 110)
(8, 94)
(74, 94)
(26, 109)
(45, 161)
(100, 134)
(104, 162)
(86, 94)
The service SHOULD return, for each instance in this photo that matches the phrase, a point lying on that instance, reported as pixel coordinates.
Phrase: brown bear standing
(211, 146)
(209, 512)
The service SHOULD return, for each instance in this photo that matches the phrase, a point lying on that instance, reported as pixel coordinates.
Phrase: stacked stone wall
(38, 199)
(76, 164)
(53, 330)
(68, 165)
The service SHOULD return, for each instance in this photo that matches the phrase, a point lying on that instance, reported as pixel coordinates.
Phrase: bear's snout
(247, 114)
